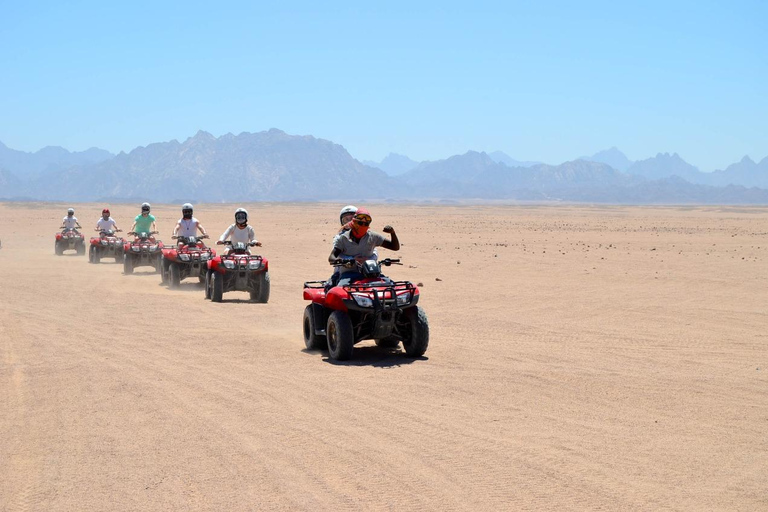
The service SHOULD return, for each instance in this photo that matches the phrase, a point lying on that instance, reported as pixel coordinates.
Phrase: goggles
(362, 220)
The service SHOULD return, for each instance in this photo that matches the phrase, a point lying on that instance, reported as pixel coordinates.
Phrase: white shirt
(187, 227)
(69, 222)
(244, 235)
(106, 225)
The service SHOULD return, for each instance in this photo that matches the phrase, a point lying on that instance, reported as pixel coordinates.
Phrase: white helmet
(145, 207)
(71, 211)
(347, 210)
(186, 208)
(241, 216)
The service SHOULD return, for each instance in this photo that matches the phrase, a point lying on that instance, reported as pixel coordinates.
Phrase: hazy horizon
(550, 82)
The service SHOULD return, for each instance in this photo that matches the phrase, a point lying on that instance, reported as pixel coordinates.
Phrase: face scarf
(359, 231)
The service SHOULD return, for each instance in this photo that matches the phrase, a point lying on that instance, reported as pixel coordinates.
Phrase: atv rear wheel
(261, 295)
(311, 340)
(217, 286)
(341, 338)
(95, 256)
(127, 266)
(416, 338)
(208, 285)
(174, 275)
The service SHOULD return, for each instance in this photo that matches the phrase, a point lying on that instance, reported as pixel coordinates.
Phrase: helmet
(145, 207)
(186, 209)
(71, 211)
(347, 210)
(105, 211)
(241, 216)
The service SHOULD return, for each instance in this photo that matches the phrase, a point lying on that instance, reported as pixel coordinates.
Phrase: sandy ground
(580, 358)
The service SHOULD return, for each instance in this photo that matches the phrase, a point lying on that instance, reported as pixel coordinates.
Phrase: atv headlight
(403, 299)
(184, 257)
(153, 247)
(204, 257)
(254, 265)
(229, 264)
(362, 300)
(104, 242)
(135, 249)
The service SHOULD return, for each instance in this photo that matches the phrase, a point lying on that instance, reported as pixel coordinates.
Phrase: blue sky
(544, 81)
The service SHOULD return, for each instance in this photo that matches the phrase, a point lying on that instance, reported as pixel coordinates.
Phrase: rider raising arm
(359, 242)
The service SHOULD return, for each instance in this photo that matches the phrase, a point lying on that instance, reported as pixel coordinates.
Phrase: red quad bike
(188, 258)
(143, 251)
(106, 245)
(373, 307)
(239, 270)
(69, 239)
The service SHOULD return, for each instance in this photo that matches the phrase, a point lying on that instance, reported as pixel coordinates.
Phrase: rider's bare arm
(394, 243)
(176, 228)
(202, 229)
(334, 256)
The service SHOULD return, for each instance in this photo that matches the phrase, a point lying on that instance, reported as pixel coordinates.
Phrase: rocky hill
(49, 159)
(268, 165)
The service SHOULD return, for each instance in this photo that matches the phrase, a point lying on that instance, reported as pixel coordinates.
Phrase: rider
(240, 231)
(70, 221)
(188, 225)
(106, 223)
(358, 244)
(345, 218)
(145, 221)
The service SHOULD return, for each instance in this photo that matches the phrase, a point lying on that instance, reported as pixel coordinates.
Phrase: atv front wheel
(261, 295)
(217, 286)
(57, 249)
(311, 340)
(416, 338)
(127, 266)
(341, 338)
(95, 256)
(174, 274)
(208, 285)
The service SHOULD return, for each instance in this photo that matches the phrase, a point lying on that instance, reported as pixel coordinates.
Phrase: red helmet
(105, 211)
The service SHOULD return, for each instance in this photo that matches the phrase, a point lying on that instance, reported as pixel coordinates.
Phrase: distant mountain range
(393, 164)
(52, 158)
(275, 166)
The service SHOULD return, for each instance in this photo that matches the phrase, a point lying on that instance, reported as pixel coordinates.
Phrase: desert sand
(580, 358)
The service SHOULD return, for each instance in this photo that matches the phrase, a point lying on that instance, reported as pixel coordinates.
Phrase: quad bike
(106, 245)
(371, 307)
(188, 258)
(238, 270)
(143, 251)
(69, 239)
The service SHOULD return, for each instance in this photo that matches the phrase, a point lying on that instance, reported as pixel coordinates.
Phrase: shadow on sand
(371, 355)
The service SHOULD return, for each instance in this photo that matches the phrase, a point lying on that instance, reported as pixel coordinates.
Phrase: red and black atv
(188, 258)
(370, 307)
(143, 251)
(69, 239)
(106, 245)
(238, 270)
